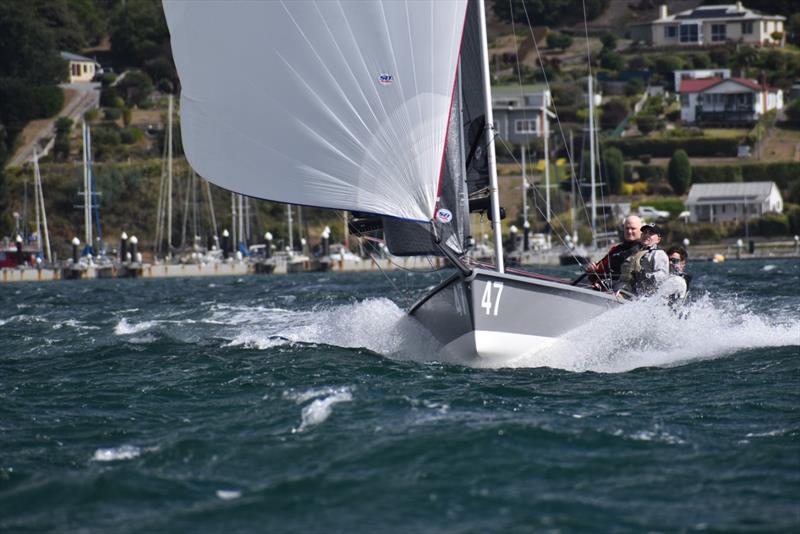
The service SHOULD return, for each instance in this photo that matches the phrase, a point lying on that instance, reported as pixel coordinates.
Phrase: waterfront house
(726, 100)
(733, 201)
(81, 69)
(711, 25)
(519, 112)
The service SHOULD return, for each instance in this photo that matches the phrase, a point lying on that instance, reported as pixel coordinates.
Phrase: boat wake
(639, 334)
(649, 334)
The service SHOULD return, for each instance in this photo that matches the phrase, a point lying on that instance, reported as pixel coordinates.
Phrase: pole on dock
(123, 246)
(134, 246)
(326, 241)
(268, 243)
(225, 239)
(20, 258)
(76, 243)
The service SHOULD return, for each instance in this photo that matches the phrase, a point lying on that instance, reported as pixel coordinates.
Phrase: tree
(614, 112)
(61, 146)
(548, 12)
(701, 61)
(793, 111)
(679, 172)
(646, 123)
(559, 40)
(611, 60)
(614, 165)
(609, 41)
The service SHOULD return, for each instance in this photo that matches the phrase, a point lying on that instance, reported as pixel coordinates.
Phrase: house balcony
(739, 115)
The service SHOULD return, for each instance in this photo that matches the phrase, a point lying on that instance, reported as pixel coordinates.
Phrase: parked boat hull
(490, 318)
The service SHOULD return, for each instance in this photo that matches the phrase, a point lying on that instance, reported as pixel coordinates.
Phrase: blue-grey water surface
(309, 403)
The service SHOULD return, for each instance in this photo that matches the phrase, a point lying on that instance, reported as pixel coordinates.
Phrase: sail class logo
(385, 79)
(444, 215)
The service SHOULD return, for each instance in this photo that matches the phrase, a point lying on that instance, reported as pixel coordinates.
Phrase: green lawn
(725, 132)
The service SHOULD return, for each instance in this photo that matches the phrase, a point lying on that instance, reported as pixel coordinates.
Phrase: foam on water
(124, 452)
(639, 334)
(378, 325)
(647, 333)
(320, 408)
(125, 328)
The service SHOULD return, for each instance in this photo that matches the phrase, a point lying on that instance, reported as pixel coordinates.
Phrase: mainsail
(334, 104)
(466, 171)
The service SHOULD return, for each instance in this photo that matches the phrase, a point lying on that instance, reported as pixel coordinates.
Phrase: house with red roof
(726, 100)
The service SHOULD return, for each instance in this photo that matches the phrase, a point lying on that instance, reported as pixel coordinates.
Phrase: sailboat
(381, 108)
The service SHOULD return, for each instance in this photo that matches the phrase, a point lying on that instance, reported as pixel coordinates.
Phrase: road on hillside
(88, 97)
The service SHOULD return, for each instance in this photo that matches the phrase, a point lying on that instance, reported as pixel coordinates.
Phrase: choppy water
(309, 403)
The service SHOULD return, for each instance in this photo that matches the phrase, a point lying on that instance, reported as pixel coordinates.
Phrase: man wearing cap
(650, 266)
(612, 264)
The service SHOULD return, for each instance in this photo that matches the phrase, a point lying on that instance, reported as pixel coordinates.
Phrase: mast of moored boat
(491, 156)
(169, 178)
(87, 192)
(39, 194)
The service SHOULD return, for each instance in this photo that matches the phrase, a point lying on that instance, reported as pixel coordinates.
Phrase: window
(670, 32)
(689, 33)
(684, 100)
(717, 32)
(525, 126)
(747, 28)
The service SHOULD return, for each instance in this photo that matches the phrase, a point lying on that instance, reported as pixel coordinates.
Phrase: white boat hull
(490, 318)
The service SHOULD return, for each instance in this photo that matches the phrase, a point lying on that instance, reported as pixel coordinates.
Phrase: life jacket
(630, 269)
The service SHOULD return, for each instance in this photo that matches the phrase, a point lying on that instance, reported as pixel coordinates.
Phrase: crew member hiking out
(608, 272)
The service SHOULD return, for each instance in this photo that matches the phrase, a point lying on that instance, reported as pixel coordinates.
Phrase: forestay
(334, 104)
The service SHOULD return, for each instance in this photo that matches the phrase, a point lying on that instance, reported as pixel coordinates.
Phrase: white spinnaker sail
(329, 103)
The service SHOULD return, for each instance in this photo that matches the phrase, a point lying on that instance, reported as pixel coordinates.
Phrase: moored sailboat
(382, 108)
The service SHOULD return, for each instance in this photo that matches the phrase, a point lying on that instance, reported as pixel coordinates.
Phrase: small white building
(711, 25)
(726, 100)
(81, 69)
(733, 201)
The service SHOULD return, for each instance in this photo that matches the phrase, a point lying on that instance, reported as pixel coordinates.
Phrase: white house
(81, 69)
(733, 201)
(726, 100)
(519, 111)
(710, 25)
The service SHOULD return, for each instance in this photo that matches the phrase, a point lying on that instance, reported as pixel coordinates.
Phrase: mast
(233, 218)
(37, 177)
(491, 156)
(211, 209)
(87, 194)
(525, 222)
(591, 159)
(169, 178)
(289, 217)
(572, 182)
(242, 236)
(546, 133)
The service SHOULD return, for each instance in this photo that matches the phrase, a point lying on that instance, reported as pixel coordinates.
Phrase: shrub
(559, 40)
(63, 125)
(609, 41)
(646, 123)
(679, 172)
(129, 136)
(112, 114)
(611, 60)
(108, 95)
(773, 224)
(634, 86)
(637, 188)
(614, 112)
(664, 148)
(91, 115)
(707, 174)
